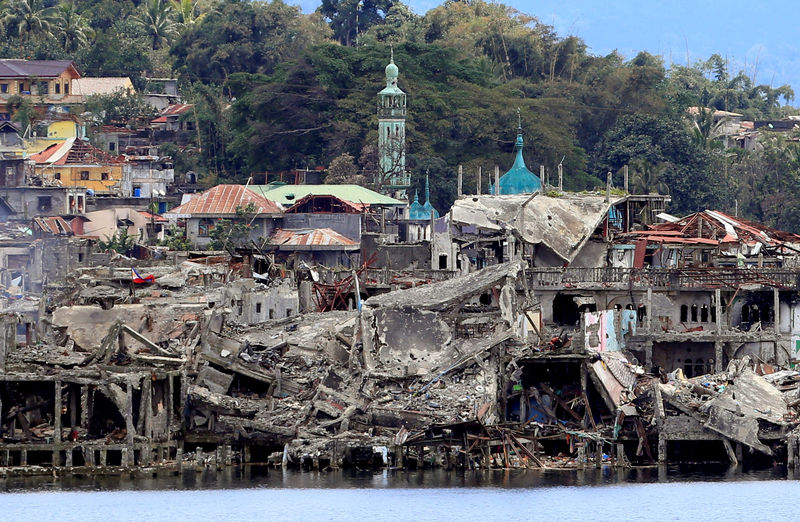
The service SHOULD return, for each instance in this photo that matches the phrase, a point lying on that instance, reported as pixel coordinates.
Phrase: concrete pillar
(88, 455)
(776, 306)
(85, 406)
(127, 456)
(608, 187)
(625, 178)
(718, 356)
(648, 354)
(305, 296)
(147, 398)
(598, 454)
(497, 179)
(103, 458)
(649, 305)
(57, 413)
(169, 401)
(560, 177)
(460, 180)
(662, 449)
(720, 316)
(480, 175)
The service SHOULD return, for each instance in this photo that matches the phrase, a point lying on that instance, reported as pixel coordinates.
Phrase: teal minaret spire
(392, 176)
(518, 179)
(422, 212)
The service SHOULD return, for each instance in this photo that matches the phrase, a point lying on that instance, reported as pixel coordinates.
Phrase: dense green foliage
(274, 89)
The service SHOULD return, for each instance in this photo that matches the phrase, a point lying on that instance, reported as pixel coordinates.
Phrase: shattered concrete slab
(561, 223)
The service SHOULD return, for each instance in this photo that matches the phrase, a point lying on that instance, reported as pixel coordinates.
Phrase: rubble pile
(451, 374)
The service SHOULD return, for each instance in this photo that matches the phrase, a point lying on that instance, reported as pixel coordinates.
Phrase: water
(250, 494)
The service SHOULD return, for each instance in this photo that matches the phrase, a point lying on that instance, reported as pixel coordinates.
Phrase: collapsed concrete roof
(563, 224)
(444, 294)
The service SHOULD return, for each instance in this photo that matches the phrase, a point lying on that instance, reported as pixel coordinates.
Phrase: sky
(756, 36)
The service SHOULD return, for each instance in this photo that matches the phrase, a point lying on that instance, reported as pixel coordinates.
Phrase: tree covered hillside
(275, 89)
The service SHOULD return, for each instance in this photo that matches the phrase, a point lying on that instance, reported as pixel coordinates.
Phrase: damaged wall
(251, 302)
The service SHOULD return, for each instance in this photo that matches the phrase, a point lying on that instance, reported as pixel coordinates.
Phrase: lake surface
(257, 494)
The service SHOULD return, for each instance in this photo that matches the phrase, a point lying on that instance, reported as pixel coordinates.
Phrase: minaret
(392, 175)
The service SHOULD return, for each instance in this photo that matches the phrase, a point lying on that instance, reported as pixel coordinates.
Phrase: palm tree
(187, 12)
(28, 19)
(647, 178)
(73, 30)
(156, 20)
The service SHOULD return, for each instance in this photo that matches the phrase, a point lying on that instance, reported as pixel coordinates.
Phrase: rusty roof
(54, 225)
(223, 200)
(312, 239)
(74, 152)
(712, 227)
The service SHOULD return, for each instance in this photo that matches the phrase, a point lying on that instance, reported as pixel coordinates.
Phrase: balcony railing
(665, 277)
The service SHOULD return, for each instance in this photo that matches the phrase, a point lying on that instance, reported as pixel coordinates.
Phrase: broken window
(699, 367)
(104, 176)
(258, 308)
(566, 310)
(704, 314)
(44, 203)
(713, 314)
(84, 175)
(442, 261)
(205, 226)
(694, 313)
(684, 313)
(271, 313)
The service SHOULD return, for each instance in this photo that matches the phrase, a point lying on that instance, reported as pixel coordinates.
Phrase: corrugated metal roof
(223, 200)
(76, 152)
(34, 68)
(154, 217)
(712, 227)
(308, 239)
(54, 225)
(289, 194)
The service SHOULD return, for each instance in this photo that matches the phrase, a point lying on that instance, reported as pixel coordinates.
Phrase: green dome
(518, 179)
(391, 72)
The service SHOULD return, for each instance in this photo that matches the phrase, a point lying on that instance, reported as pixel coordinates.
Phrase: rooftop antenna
(519, 120)
(391, 53)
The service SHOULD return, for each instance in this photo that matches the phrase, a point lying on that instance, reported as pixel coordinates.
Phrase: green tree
(28, 19)
(72, 29)
(231, 233)
(120, 108)
(349, 18)
(343, 170)
(175, 239)
(121, 242)
(187, 12)
(23, 111)
(155, 18)
(251, 37)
